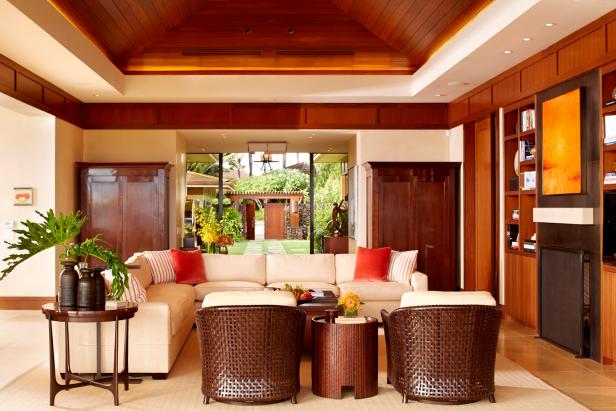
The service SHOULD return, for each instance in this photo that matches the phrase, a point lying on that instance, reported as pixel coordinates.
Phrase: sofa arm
(419, 281)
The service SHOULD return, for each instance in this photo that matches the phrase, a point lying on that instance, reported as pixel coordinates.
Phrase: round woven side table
(344, 355)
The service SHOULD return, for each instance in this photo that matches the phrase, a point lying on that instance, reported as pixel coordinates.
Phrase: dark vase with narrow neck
(99, 284)
(86, 289)
(68, 284)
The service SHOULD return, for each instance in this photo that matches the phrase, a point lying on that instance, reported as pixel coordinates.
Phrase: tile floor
(586, 381)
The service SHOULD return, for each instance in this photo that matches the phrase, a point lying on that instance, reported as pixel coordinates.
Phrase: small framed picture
(23, 196)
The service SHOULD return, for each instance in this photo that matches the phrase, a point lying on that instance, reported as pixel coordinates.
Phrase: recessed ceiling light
(329, 149)
(457, 83)
(291, 30)
(507, 52)
(223, 135)
(549, 24)
(527, 39)
(439, 95)
(96, 95)
(248, 30)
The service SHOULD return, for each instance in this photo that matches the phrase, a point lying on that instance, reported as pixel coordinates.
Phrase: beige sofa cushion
(143, 274)
(419, 298)
(299, 268)
(180, 298)
(376, 290)
(203, 289)
(221, 267)
(345, 267)
(308, 285)
(238, 298)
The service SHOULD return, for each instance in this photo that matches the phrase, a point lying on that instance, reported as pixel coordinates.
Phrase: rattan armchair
(250, 354)
(442, 353)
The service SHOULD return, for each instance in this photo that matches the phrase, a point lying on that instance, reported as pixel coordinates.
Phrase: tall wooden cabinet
(412, 206)
(127, 204)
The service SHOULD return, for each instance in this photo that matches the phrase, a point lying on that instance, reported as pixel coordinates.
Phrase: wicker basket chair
(442, 353)
(250, 354)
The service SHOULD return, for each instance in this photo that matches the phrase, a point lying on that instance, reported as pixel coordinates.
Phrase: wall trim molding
(24, 303)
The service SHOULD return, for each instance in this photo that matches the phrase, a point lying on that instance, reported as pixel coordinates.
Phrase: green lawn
(270, 246)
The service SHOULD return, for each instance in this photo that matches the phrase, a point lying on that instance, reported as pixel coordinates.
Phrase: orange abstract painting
(562, 145)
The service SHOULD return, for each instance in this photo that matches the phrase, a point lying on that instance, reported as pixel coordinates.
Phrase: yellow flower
(350, 302)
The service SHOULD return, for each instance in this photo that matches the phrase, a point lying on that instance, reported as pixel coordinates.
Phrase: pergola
(236, 196)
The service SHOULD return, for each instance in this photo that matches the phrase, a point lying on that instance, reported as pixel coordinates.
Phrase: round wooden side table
(344, 355)
(54, 312)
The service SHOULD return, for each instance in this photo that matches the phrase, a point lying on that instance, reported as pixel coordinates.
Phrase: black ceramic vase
(99, 285)
(68, 284)
(86, 289)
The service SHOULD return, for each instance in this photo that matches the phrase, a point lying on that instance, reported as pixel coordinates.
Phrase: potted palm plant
(60, 230)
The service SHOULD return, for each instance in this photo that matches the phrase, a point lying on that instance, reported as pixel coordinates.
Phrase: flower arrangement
(350, 303)
(217, 234)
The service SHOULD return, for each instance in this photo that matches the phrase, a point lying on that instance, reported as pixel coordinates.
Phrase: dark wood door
(127, 205)
(274, 221)
(249, 221)
(413, 207)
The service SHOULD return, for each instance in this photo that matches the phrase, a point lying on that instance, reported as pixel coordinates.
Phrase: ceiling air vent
(314, 53)
(220, 52)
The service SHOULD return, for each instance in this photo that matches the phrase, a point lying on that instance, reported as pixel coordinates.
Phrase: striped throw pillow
(161, 265)
(134, 293)
(401, 266)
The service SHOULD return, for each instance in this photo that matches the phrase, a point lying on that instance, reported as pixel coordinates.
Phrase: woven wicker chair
(442, 353)
(250, 354)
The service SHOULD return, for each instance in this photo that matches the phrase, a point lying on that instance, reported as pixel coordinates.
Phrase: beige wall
(143, 146)
(28, 161)
(69, 151)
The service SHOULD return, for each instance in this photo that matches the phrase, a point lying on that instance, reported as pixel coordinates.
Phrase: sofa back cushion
(298, 268)
(221, 267)
(421, 298)
(143, 274)
(345, 268)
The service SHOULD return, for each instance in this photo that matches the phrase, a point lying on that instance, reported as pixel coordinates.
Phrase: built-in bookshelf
(520, 178)
(520, 197)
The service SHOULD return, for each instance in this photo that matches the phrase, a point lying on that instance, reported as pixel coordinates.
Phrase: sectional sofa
(162, 324)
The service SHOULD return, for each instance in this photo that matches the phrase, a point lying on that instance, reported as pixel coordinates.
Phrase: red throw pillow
(188, 266)
(372, 264)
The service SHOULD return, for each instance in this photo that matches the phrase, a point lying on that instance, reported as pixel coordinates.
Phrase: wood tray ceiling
(269, 36)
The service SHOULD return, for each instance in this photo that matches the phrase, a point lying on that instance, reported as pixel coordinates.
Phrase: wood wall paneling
(7, 77)
(469, 207)
(278, 115)
(419, 115)
(344, 116)
(54, 100)
(21, 84)
(608, 314)
(611, 36)
(480, 101)
(537, 75)
(29, 88)
(484, 207)
(588, 48)
(582, 53)
(121, 115)
(521, 288)
(458, 111)
(506, 89)
(196, 115)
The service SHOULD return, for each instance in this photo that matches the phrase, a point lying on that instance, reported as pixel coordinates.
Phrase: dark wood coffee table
(344, 355)
(316, 307)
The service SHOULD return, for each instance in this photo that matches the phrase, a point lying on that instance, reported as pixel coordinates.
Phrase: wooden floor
(586, 381)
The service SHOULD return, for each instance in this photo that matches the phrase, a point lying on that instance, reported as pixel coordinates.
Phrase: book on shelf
(350, 320)
(609, 127)
(527, 118)
(609, 178)
(527, 150)
(530, 245)
(515, 245)
(529, 178)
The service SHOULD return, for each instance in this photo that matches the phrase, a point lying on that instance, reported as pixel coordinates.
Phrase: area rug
(516, 389)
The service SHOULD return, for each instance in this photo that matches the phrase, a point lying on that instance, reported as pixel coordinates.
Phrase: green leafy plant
(92, 247)
(37, 237)
(59, 230)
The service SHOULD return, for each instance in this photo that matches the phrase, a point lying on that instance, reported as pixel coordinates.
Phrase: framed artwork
(561, 160)
(353, 201)
(23, 196)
